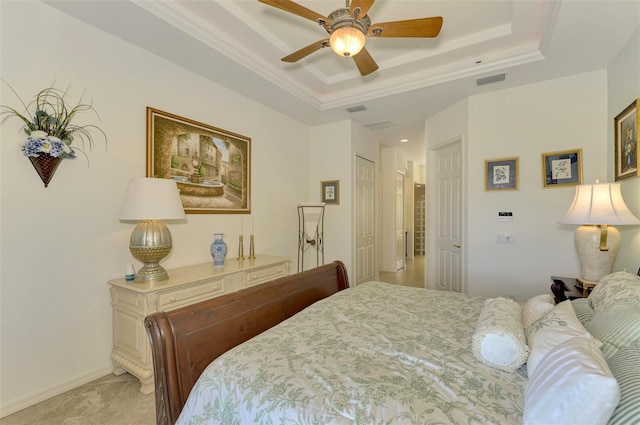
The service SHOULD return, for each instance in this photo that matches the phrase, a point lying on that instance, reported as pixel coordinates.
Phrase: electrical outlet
(505, 238)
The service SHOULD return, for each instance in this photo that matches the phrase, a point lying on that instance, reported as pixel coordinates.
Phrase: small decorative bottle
(218, 250)
(130, 273)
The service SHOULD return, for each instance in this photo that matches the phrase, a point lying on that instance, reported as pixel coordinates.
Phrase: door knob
(456, 246)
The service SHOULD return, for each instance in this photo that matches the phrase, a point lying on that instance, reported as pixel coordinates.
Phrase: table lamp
(596, 208)
(150, 200)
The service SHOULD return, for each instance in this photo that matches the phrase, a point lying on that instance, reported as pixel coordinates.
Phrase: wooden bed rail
(186, 340)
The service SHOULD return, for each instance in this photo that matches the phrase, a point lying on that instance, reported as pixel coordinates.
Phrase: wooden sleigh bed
(307, 348)
(186, 340)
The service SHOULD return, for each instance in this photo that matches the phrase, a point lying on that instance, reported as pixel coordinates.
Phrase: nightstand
(567, 288)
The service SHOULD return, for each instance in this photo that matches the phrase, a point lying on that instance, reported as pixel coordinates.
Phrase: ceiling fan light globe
(347, 41)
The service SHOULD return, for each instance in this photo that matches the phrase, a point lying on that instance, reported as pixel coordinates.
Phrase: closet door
(365, 220)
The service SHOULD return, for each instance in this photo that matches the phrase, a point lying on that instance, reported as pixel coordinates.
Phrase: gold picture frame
(330, 192)
(626, 142)
(501, 173)
(211, 166)
(562, 168)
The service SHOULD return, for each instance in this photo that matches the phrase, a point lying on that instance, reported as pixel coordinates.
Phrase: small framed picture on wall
(563, 168)
(330, 192)
(501, 174)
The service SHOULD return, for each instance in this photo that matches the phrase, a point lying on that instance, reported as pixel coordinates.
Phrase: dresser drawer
(170, 300)
(126, 299)
(267, 273)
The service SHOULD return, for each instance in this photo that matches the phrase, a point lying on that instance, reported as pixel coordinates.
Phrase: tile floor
(411, 275)
(117, 400)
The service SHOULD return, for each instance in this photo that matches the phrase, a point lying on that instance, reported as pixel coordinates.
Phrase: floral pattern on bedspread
(411, 365)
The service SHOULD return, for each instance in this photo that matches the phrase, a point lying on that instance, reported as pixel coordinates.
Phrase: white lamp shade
(599, 203)
(313, 212)
(347, 41)
(152, 199)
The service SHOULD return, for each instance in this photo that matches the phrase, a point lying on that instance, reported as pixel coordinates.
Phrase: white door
(365, 224)
(400, 244)
(447, 223)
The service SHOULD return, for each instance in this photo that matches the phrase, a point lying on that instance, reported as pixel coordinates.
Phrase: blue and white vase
(218, 250)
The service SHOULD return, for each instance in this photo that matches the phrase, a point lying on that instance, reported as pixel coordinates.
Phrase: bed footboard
(186, 340)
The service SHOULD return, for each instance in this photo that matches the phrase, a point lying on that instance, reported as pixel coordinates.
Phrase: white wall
(61, 244)
(623, 84)
(555, 115)
(525, 122)
(333, 150)
(331, 160)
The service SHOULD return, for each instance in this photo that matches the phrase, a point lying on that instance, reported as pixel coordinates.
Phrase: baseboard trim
(35, 397)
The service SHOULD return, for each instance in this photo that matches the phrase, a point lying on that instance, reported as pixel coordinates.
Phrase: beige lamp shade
(599, 203)
(150, 200)
(597, 207)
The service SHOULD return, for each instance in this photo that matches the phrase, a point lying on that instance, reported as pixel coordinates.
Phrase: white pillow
(557, 326)
(498, 340)
(572, 384)
(535, 308)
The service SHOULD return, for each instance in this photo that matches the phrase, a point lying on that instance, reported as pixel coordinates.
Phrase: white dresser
(132, 302)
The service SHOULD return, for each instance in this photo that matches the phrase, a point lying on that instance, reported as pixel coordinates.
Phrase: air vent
(380, 125)
(490, 79)
(356, 108)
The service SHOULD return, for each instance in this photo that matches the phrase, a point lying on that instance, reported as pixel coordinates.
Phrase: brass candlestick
(252, 252)
(241, 248)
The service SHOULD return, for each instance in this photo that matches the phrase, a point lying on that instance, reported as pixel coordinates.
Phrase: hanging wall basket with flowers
(50, 132)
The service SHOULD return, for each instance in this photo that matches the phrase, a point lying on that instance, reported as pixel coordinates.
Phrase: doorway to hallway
(411, 275)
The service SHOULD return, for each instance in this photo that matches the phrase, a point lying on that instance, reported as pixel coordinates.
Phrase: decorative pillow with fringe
(499, 340)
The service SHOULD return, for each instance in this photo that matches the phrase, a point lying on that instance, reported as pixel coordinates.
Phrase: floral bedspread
(374, 354)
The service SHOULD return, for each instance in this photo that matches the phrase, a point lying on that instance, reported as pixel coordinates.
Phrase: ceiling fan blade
(297, 9)
(365, 62)
(305, 51)
(422, 27)
(359, 8)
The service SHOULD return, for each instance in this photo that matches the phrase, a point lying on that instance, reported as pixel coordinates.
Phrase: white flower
(46, 146)
(54, 138)
(66, 148)
(37, 134)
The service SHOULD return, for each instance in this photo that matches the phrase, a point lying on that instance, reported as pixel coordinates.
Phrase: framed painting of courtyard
(211, 166)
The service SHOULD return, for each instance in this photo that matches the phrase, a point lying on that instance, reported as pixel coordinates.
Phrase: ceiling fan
(348, 28)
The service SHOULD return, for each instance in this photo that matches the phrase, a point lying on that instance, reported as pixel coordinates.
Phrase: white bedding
(374, 354)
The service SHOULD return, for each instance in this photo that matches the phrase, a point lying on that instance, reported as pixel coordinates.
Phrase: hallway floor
(411, 275)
